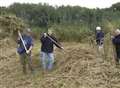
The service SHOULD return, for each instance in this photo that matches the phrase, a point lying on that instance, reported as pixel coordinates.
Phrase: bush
(10, 25)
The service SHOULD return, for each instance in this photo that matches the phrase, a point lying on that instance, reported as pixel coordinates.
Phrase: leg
(30, 62)
(50, 61)
(98, 44)
(117, 60)
(43, 59)
(100, 47)
(117, 57)
(23, 62)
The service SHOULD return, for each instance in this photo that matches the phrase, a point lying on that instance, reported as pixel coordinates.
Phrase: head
(98, 28)
(28, 31)
(50, 31)
(117, 31)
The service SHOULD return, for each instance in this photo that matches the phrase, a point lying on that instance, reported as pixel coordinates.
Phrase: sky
(82, 3)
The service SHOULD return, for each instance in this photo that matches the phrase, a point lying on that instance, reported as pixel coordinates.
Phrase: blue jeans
(47, 60)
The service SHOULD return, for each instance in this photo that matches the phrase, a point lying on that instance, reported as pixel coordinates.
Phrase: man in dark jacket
(116, 42)
(99, 38)
(48, 41)
(25, 56)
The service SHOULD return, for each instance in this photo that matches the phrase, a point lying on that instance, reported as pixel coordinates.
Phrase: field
(79, 66)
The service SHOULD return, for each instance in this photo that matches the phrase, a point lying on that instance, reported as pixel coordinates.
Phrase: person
(99, 38)
(116, 42)
(47, 57)
(25, 56)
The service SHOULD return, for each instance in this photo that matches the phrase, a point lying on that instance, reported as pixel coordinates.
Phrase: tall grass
(37, 32)
(66, 33)
(77, 32)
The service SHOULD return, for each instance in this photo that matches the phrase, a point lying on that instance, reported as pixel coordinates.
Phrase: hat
(98, 28)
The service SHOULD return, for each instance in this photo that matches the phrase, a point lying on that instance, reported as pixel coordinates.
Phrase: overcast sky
(83, 3)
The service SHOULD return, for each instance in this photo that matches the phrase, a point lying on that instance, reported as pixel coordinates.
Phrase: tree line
(67, 17)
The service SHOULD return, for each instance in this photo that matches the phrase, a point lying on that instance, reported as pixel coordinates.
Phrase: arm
(28, 51)
(116, 41)
(102, 35)
(18, 40)
(31, 46)
(55, 41)
(97, 36)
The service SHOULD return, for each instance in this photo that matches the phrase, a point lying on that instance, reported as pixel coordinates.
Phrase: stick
(22, 40)
(54, 41)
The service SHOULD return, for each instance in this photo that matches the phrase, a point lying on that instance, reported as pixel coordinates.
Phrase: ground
(78, 66)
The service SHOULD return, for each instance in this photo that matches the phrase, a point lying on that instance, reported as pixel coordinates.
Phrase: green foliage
(37, 31)
(75, 33)
(71, 23)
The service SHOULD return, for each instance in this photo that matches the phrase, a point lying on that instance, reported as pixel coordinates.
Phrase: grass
(66, 33)
(79, 66)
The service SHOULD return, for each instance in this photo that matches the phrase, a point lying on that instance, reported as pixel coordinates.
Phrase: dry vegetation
(78, 67)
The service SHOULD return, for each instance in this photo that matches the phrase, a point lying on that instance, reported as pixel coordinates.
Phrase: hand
(18, 38)
(18, 45)
(112, 37)
(62, 48)
(45, 34)
(27, 51)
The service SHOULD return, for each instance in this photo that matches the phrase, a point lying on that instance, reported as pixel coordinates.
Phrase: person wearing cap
(47, 57)
(116, 42)
(25, 56)
(99, 37)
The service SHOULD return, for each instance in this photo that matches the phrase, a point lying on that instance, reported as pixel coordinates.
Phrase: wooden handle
(22, 40)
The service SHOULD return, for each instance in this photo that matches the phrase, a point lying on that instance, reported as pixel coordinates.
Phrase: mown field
(79, 66)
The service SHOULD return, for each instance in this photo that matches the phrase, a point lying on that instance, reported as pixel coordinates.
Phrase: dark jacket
(116, 42)
(99, 35)
(47, 44)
